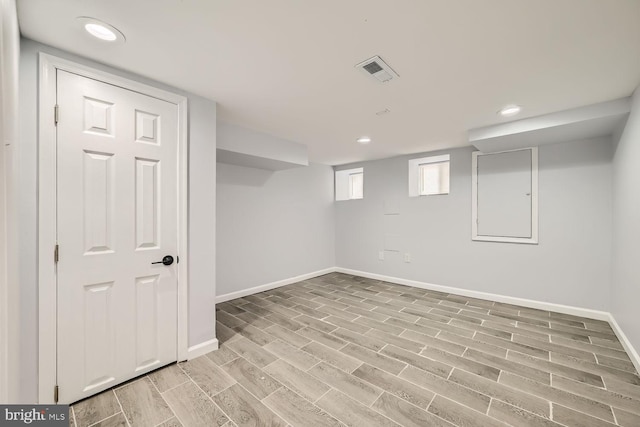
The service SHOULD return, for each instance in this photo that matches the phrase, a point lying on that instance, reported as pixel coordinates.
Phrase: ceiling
(286, 67)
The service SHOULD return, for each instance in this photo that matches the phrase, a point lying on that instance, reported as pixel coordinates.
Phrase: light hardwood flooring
(342, 350)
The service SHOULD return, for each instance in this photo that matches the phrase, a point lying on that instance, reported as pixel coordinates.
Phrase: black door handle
(167, 260)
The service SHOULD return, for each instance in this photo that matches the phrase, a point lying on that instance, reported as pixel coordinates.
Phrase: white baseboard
(202, 349)
(272, 285)
(541, 305)
(628, 347)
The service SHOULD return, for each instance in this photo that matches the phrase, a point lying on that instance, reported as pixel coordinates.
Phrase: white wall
(264, 151)
(202, 220)
(625, 292)
(272, 225)
(571, 265)
(9, 315)
(202, 166)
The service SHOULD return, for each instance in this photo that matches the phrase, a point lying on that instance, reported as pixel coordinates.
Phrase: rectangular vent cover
(377, 68)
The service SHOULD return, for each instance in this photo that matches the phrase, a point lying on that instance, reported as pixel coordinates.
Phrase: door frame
(47, 202)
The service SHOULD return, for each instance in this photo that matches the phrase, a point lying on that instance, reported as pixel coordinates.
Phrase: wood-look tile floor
(342, 350)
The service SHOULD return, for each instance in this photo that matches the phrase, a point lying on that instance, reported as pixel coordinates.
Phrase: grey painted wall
(625, 294)
(571, 265)
(202, 165)
(272, 225)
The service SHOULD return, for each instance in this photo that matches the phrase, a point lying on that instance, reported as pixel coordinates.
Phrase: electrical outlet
(381, 255)
(407, 257)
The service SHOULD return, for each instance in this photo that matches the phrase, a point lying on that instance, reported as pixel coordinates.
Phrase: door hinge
(56, 392)
(56, 254)
(56, 112)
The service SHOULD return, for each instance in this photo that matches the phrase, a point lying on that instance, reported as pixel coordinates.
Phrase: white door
(117, 214)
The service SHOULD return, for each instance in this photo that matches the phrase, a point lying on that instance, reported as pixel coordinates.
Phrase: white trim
(541, 305)
(534, 200)
(202, 349)
(628, 347)
(273, 285)
(47, 339)
(183, 228)
(47, 317)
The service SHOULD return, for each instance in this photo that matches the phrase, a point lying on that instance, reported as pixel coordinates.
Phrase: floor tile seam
(323, 394)
(631, 366)
(502, 400)
(615, 417)
(552, 402)
(511, 349)
(270, 393)
(615, 421)
(126, 419)
(550, 418)
(165, 400)
(559, 333)
(501, 369)
(241, 386)
(561, 346)
(559, 365)
(269, 407)
(370, 406)
(359, 366)
(459, 403)
(207, 394)
(479, 344)
(455, 384)
(577, 329)
(105, 418)
(171, 388)
(110, 416)
(308, 370)
(597, 399)
(381, 354)
(73, 416)
(603, 368)
(164, 421)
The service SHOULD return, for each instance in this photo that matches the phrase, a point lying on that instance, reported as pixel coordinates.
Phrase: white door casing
(120, 205)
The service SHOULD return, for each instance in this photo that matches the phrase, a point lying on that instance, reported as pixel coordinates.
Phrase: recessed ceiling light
(364, 140)
(510, 110)
(101, 30)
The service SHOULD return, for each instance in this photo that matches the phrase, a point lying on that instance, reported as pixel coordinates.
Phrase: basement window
(429, 176)
(350, 184)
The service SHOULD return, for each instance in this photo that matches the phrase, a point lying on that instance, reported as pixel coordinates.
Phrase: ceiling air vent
(377, 68)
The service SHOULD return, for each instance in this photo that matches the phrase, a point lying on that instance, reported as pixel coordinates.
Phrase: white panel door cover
(504, 198)
(117, 213)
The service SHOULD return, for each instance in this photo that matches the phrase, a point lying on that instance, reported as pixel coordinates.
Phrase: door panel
(117, 213)
(504, 194)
